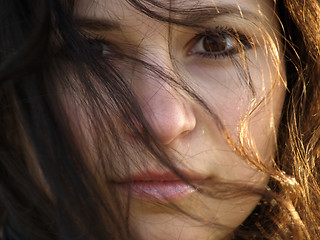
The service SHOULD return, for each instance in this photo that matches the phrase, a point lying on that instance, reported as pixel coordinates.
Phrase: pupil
(214, 43)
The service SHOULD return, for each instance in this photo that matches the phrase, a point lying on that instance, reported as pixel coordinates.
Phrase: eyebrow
(188, 17)
(206, 13)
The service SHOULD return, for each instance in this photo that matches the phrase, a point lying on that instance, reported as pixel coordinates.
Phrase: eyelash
(237, 42)
(100, 44)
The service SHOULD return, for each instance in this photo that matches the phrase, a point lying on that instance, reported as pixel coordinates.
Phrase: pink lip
(155, 186)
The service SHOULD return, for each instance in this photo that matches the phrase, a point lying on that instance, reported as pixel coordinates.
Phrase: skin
(183, 126)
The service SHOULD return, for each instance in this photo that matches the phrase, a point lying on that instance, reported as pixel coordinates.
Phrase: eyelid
(101, 42)
(92, 36)
(241, 40)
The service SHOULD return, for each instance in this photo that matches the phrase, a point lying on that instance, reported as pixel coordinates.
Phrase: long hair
(52, 187)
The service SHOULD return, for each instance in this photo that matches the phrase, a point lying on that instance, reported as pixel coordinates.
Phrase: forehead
(116, 10)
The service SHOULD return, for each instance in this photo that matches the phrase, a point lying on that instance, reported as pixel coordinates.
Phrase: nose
(169, 114)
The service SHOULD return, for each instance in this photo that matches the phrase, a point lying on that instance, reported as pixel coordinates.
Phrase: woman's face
(215, 62)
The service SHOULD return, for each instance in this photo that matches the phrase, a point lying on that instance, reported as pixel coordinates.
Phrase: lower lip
(157, 190)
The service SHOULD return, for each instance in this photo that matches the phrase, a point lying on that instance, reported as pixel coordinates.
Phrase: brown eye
(219, 43)
(214, 43)
(105, 49)
(101, 46)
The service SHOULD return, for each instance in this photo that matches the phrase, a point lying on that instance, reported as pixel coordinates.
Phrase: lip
(158, 186)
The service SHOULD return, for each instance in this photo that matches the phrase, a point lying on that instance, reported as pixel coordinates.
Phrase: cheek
(250, 115)
(248, 101)
(220, 86)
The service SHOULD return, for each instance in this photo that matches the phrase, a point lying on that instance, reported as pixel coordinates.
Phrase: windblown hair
(48, 186)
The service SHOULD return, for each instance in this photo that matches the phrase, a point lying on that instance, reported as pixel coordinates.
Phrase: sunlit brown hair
(49, 189)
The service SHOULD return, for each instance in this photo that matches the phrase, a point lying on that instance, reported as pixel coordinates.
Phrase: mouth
(162, 187)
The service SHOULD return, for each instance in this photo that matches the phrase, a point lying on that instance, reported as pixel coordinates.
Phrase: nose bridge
(169, 114)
